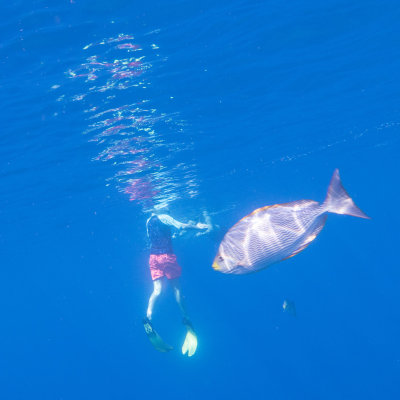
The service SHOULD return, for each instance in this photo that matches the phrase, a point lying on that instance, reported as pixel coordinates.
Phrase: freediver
(163, 263)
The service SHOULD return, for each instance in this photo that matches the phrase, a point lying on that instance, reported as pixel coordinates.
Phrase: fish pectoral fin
(308, 239)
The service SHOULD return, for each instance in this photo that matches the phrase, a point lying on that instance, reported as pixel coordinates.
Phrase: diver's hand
(206, 228)
(193, 225)
(189, 225)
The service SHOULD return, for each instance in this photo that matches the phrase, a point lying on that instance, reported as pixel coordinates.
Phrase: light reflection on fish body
(274, 233)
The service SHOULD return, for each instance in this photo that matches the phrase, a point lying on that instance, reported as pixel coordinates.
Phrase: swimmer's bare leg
(178, 296)
(154, 337)
(190, 344)
(153, 297)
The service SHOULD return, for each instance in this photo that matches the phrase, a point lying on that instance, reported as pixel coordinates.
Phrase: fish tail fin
(338, 201)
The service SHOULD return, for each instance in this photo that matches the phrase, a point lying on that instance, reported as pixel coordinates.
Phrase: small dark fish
(289, 307)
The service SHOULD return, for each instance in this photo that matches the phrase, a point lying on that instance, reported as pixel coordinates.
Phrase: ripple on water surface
(137, 139)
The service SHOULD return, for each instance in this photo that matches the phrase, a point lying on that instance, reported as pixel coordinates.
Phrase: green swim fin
(155, 338)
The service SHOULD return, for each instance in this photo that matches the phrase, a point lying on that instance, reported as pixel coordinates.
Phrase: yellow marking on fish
(216, 266)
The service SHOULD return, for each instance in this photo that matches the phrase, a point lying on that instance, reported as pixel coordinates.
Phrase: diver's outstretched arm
(168, 220)
(156, 292)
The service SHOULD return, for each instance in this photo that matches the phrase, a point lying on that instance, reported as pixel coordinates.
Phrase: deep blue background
(275, 94)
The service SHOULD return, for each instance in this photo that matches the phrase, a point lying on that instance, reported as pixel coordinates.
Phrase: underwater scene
(198, 199)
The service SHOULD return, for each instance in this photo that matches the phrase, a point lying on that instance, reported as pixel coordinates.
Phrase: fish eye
(220, 258)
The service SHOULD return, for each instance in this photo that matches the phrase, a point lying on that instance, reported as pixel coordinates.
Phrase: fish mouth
(216, 266)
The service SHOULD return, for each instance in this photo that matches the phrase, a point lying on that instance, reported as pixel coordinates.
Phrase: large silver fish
(274, 233)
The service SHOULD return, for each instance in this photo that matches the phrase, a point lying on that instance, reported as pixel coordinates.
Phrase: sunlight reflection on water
(134, 138)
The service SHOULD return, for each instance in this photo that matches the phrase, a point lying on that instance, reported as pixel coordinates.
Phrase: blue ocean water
(110, 109)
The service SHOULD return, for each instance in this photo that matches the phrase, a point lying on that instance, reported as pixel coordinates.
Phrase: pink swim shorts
(164, 265)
